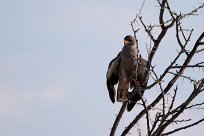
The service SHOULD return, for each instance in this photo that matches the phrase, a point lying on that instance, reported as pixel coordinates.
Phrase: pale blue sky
(53, 60)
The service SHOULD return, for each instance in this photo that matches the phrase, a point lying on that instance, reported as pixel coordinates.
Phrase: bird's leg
(120, 95)
(124, 91)
(119, 92)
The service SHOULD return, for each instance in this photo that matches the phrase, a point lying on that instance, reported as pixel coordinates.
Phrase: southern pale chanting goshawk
(128, 70)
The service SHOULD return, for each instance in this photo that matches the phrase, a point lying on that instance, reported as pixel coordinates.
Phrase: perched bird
(127, 69)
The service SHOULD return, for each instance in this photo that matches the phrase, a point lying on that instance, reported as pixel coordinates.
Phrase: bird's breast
(129, 53)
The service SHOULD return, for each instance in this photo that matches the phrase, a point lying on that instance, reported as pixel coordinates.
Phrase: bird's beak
(126, 42)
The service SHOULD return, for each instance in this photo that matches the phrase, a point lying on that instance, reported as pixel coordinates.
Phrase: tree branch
(117, 120)
(181, 128)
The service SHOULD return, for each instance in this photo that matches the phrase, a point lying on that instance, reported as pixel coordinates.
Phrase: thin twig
(147, 115)
(193, 12)
(198, 65)
(173, 99)
(192, 80)
(195, 105)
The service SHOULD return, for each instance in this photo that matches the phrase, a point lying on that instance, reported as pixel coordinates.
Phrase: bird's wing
(142, 83)
(112, 77)
(142, 68)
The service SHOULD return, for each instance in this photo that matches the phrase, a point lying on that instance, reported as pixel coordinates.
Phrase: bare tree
(165, 109)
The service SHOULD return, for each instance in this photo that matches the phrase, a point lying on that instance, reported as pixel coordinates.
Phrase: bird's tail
(134, 99)
(111, 90)
(130, 106)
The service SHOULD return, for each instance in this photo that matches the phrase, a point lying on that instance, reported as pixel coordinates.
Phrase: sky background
(54, 56)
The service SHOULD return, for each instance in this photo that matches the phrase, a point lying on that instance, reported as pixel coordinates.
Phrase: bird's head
(129, 40)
